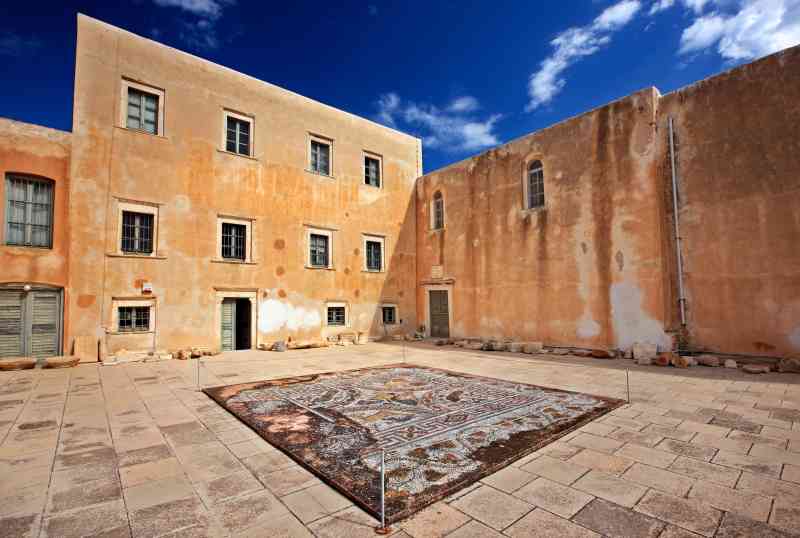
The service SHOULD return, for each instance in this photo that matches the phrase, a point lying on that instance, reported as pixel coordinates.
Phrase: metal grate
(336, 315)
(535, 185)
(318, 250)
(389, 315)
(29, 211)
(142, 111)
(137, 232)
(134, 319)
(234, 241)
(372, 172)
(438, 211)
(320, 158)
(237, 138)
(374, 256)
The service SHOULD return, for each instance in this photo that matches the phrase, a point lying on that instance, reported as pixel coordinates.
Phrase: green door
(11, 326)
(30, 323)
(44, 311)
(440, 314)
(228, 324)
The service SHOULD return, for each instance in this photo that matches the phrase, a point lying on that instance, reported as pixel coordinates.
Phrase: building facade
(192, 205)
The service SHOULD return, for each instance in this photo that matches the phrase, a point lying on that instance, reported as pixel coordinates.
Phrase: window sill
(320, 174)
(376, 187)
(436, 230)
(320, 268)
(530, 210)
(231, 153)
(233, 262)
(26, 247)
(129, 333)
(139, 131)
(135, 256)
(373, 271)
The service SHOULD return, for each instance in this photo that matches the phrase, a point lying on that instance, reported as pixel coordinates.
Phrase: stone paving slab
(136, 450)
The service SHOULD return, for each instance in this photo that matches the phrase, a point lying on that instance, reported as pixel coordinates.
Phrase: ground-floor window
(389, 315)
(134, 319)
(337, 315)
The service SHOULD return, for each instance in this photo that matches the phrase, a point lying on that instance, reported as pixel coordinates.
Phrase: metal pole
(628, 384)
(198, 373)
(681, 297)
(383, 487)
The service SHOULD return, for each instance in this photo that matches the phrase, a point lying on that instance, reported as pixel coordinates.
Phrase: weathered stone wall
(192, 181)
(588, 269)
(738, 162)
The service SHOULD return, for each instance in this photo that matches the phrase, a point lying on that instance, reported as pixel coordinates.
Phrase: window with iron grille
(374, 256)
(29, 211)
(142, 111)
(535, 185)
(237, 137)
(389, 315)
(372, 172)
(234, 237)
(134, 319)
(137, 232)
(438, 211)
(318, 255)
(336, 315)
(320, 158)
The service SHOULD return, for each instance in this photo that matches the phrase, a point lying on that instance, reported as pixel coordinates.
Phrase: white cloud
(13, 44)
(660, 5)
(696, 5)
(372, 9)
(199, 31)
(571, 45)
(453, 128)
(202, 8)
(744, 29)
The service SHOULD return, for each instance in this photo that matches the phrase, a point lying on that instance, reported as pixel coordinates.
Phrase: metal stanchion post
(198, 373)
(628, 384)
(383, 529)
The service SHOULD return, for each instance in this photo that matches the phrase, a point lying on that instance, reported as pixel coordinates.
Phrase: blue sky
(462, 75)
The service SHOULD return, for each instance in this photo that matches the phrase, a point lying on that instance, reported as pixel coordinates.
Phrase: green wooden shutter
(228, 325)
(44, 324)
(11, 323)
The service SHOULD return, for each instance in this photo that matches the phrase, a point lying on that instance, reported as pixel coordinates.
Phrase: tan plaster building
(195, 206)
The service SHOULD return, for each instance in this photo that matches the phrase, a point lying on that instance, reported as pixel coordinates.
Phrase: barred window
(234, 238)
(134, 319)
(320, 157)
(29, 211)
(137, 232)
(237, 137)
(336, 315)
(438, 211)
(374, 256)
(535, 185)
(319, 250)
(389, 315)
(142, 111)
(372, 172)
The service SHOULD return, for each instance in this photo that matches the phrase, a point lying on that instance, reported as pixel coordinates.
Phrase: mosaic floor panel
(440, 431)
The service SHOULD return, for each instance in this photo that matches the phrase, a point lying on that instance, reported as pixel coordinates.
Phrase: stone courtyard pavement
(136, 450)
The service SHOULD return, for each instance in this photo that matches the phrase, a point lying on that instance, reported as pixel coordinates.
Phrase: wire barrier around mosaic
(440, 430)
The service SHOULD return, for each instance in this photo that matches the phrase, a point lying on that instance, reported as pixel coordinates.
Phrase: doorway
(30, 322)
(236, 324)
(439, 309)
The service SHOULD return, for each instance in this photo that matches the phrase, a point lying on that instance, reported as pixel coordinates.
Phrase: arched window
(534, 186)
(438, 211)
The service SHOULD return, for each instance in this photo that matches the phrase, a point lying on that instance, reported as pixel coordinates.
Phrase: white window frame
(116, 304)
(123, 109)
(137, 207)
(377, 239)
(346, 313)
(319, 231)
(248, 224)
(378, 158)
(322, 140)
(526, 185)
(396, 313)
(433, 212)
(226, 113)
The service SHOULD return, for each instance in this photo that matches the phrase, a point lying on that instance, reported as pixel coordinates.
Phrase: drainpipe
(681, 297)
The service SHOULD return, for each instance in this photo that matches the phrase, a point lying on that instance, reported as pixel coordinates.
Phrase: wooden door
(440, 313)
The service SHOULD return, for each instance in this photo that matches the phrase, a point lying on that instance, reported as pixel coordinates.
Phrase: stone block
(515, 347)
(756, 368)
(17, 363)
(790, 364)
(64, 361)
(662, 360)
(708, 360)
(678, 361)
(603, 354)
(499, 346)
(559, 351)
(646, 352)
(85, 348)
(532, 347)
(730, 363)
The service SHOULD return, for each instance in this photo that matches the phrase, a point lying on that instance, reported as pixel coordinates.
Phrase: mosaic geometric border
(441, 430)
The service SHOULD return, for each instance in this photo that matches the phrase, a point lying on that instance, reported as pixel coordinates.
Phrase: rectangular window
(320, 157)
(134, 319)
(234, 240)
(372, 171)
(319, 251)
(374, 255)
(29, 212)
(237, 135)
(137, 232)
(142, 111)
(336, 315)
(389, 315)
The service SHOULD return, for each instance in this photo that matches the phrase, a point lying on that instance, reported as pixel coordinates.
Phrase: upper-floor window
(437, 218)
(373, 253)
(319, 250)
(137, 232)
(29, 211)
(534, 185)
(238, 134)
(320, 156)
(372, 171)
(234, 241)
(142, 108)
